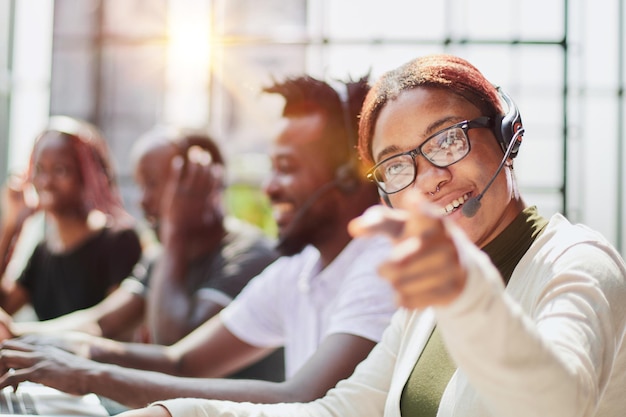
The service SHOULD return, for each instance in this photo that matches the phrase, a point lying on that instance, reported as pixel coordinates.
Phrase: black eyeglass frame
(465, 125)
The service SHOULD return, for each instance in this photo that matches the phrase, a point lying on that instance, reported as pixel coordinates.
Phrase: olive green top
(434, 368)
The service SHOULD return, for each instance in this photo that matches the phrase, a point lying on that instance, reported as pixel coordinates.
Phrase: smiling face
(406, 122)
(300, 166)
(57, 176)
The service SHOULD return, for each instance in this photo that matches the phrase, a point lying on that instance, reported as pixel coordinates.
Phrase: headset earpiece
(506, 127)
(347, 174)
(346, 178)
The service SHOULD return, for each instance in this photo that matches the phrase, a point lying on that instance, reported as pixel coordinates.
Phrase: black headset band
(347, 175)
(509, 124)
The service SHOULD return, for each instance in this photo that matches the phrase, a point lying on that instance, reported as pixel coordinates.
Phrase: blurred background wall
(126, 65)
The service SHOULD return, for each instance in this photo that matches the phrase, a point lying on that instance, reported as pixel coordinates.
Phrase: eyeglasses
(442, 149)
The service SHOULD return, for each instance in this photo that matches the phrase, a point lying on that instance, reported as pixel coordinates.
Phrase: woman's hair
(99, 184)
(441, 71)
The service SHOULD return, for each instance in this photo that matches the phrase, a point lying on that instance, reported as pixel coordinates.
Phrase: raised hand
(14, 204)
(423, 266)
(186, 201)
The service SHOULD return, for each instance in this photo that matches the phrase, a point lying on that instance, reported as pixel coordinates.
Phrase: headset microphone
(346, 175)
(303, 210)
(471, 206)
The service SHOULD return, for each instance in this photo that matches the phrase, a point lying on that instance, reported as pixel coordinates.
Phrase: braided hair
(99, 184)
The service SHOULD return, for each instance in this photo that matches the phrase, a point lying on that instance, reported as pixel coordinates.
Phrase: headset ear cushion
(507, 132)
(506, 126)
(498, 131)
(346, 178)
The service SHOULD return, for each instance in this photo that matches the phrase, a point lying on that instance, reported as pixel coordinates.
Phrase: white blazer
(550, 345)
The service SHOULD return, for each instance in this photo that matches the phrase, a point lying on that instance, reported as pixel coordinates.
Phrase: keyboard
(16, 403)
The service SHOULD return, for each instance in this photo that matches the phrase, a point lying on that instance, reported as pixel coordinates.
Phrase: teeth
(280, 210)
(449, 208)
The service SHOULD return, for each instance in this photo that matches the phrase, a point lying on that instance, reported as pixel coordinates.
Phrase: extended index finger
(416, 217)
(378, 220)
(424, 219)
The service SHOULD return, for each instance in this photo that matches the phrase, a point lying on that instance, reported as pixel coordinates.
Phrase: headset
(347, 174)
(508, 130)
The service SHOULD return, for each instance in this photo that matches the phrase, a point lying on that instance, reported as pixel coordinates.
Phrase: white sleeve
(554, 360)
(254, 316)
(197, 407)
(365, 303)
(364, 394)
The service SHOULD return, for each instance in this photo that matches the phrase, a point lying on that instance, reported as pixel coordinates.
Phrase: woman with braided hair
(89, 245)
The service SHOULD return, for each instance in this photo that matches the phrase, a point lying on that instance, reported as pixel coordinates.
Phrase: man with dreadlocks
(504, 313)
(323, 301)
(90, 245)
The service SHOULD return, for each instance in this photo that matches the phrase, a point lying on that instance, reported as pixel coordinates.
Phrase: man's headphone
(347, 174)
(506, 128)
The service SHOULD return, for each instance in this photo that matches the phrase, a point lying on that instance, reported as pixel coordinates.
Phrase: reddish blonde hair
(442, 71)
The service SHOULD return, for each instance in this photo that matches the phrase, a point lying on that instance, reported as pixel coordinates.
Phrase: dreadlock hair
(434, 71)
(100, 190)
(305, 94)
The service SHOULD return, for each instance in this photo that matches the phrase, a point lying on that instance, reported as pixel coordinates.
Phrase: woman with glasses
(504, 313)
